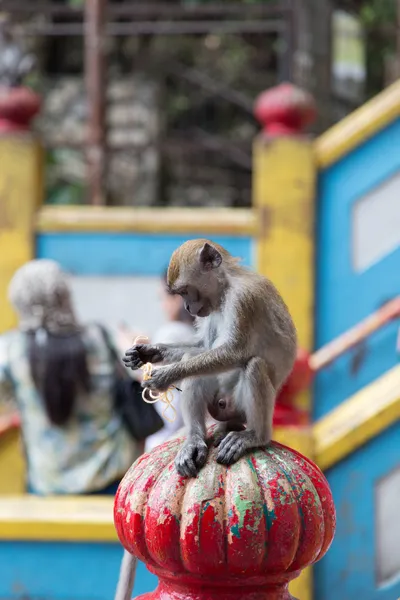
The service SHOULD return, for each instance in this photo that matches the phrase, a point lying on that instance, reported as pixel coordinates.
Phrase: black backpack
(140, 418)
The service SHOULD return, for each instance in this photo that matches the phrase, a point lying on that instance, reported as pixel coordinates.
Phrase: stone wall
(132, 120)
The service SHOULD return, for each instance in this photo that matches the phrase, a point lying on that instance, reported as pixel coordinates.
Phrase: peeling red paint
(240, 532)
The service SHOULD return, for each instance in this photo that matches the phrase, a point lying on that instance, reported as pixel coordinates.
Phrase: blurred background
(130, 126)
(167, 99)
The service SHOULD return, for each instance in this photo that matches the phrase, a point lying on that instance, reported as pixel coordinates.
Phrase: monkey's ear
(210, 258)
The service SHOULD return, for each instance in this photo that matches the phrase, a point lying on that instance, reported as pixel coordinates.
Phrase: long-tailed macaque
(245, 350)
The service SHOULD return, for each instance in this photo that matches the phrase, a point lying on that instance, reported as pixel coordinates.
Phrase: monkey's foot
(192, 457)
(222, 430)
(235, 445)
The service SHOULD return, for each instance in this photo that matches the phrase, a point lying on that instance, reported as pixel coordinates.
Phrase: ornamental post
(233, 533)
(284, 176)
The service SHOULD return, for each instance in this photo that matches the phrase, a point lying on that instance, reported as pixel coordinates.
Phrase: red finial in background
(18, 106)
(286, 412)
(285, 109)
(234, 533)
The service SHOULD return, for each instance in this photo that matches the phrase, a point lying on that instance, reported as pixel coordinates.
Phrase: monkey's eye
(182, 292)
(222, 404)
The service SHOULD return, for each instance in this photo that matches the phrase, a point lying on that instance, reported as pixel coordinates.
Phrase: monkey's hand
(161, 379)
(192, 456)
(140, 354)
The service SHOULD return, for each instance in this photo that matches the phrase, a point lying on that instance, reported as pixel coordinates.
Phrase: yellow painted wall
(284, 177)
(284, 182)
(57, 518)
(298, 438)
(12, 464)
(20, 197)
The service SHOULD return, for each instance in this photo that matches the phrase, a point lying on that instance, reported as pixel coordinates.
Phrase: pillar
(284, 176)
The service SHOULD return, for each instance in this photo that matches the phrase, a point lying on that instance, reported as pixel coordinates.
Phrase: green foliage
(377, 12)
(62, 188)
(230, 1)
(374, 15)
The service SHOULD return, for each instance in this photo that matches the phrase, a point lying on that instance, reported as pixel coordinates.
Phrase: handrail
(358, 126)
(330, 352)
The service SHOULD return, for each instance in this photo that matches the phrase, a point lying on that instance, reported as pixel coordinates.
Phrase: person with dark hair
(62, 376)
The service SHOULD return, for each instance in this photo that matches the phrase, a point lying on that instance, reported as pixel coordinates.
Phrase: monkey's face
(196, 279)
(195, 303)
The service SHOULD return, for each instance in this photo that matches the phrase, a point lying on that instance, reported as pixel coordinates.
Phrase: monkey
(244, 350)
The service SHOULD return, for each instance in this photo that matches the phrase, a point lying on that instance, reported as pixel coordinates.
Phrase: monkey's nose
(187, 306)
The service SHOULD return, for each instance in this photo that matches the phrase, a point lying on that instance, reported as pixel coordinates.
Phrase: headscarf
(40, 294)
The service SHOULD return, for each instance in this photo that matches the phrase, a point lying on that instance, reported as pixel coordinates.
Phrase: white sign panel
(376, 224)
(388, 527)
(133, 301)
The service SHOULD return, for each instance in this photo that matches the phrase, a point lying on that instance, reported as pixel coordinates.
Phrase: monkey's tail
(126, 577)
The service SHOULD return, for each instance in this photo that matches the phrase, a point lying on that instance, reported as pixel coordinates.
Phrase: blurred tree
(378, 16)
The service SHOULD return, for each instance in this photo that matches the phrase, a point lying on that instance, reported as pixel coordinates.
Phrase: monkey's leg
(256, 395)
(193, 455)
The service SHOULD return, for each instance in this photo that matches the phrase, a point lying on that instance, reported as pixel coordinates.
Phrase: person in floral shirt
(61, 375)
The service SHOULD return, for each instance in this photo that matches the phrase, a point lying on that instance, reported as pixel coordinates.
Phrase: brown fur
(186, 254)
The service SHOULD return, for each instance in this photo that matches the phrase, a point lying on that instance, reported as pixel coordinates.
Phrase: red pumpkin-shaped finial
(239, 532)
(285, 110)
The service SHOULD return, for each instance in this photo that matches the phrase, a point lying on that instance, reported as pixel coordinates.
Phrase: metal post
(95, 87)
(288, 45)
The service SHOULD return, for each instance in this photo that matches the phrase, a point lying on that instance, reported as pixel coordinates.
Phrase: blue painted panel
(64, 570)
(124, 253)
(348, 571)
(345, 297)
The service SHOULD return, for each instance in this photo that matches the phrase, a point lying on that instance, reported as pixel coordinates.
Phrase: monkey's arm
(175, 352)
(211, 362)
